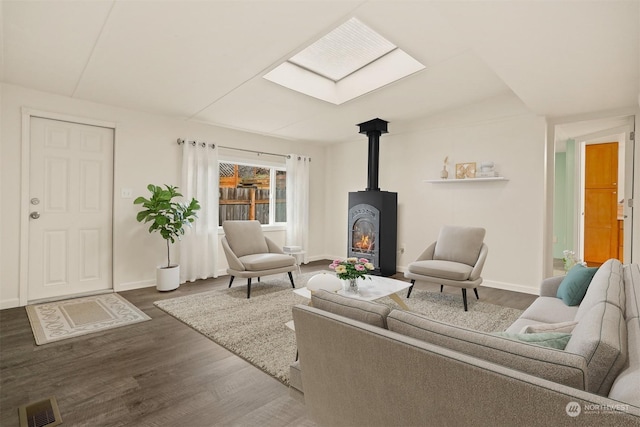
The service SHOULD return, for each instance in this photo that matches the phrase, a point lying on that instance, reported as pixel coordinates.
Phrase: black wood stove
(373, 214)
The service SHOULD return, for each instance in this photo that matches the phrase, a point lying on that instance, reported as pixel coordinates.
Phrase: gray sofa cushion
(606, 285)
(449, 247)
(632, 291)
(364, 311)
(443, 269)
(549, 310)
(266, 261)
(601, 338)
(245, 237)
(626, 387)
(548, 363)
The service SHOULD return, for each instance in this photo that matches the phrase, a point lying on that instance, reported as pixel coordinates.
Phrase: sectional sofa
(364, 364)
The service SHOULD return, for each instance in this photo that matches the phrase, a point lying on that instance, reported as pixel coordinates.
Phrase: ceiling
(204, 60)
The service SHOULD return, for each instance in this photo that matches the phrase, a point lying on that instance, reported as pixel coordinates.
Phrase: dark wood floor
(155, 373)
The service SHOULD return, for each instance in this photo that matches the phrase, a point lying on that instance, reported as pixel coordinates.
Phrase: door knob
(34, 215)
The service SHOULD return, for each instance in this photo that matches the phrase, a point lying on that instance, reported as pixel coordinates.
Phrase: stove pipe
(373, 128)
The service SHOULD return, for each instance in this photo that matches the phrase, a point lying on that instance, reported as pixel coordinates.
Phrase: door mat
(59, 320)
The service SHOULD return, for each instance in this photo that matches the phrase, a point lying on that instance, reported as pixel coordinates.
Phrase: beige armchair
(250, 254)
(455, 259)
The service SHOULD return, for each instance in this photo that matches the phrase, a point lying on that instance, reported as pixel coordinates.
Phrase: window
(250, 192)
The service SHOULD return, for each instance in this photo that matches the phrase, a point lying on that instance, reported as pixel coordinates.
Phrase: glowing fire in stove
(364, 244)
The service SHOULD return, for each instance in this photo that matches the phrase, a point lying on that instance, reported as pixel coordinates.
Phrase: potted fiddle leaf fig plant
(169, 218)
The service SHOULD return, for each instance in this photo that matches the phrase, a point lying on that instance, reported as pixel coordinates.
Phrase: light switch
(126, 193)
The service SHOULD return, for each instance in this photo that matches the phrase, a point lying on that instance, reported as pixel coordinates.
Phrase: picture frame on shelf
(465, 170)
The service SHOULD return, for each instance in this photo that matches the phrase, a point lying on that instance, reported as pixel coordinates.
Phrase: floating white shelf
(459, 181)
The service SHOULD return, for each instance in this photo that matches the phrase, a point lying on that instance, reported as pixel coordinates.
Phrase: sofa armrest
(549, 286)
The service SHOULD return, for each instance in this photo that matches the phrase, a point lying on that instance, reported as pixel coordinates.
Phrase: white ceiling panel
(47, 43)
(262, 106)
(561, 57)
(179, 57)
(462, 80)
(204, 60)
(415, 27)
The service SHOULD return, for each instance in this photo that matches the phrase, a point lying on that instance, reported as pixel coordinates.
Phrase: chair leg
(475, 290)
(413, 281)
(258, 279)
(249, 288)
(464, 298)
(293, 285)
(441, 288)
(231, 280)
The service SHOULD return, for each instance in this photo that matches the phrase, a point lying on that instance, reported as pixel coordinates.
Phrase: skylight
(343, 51)
(348, 62)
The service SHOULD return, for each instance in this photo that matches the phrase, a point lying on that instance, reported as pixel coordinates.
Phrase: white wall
(145, 152)
(500, 130)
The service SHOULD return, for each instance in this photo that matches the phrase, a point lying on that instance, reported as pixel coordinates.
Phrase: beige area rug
(59, 320)
(255, 330)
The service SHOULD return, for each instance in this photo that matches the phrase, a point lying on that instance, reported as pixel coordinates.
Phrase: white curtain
(298, 201)
(199, 245)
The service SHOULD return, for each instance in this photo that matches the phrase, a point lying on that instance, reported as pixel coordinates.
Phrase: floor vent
(40, 414)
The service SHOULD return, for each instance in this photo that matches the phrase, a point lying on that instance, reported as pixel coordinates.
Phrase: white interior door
(71, 193)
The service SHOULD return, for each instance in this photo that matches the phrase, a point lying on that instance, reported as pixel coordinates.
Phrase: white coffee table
(370, 290)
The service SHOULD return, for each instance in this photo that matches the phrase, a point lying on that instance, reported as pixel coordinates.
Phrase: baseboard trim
(497, 285)
(10, 303)
(401, 269)
(129, 286)
(511, 287)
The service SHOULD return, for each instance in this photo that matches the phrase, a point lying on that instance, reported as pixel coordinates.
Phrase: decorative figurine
(444, 174)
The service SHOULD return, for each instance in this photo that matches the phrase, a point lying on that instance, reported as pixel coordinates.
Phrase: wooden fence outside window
(244, 198)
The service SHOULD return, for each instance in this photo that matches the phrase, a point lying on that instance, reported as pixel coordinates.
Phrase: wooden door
(601, 237)
(71, 180)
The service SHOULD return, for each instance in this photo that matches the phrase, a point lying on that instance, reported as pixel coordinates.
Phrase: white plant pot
(168, 278)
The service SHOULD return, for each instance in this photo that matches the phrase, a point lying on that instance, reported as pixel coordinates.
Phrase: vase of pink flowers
(351, 269)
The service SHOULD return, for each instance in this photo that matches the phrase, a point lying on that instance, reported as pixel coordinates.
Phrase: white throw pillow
(566, 327)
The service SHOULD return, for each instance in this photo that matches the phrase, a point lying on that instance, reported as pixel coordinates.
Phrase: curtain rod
(204, 144)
